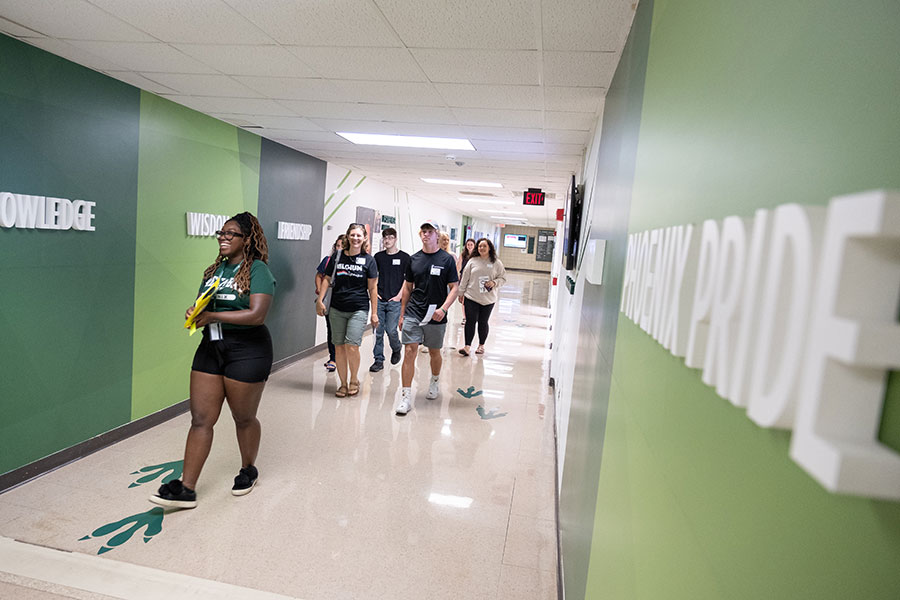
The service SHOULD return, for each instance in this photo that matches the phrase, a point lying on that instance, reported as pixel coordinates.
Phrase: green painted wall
(92, 321)
(746, 105)
(66, 297)
(189, 162)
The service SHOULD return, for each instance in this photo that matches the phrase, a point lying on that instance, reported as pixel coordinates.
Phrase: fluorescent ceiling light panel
(506, 212)
(463, 183)
(447, 500)
(406, 141)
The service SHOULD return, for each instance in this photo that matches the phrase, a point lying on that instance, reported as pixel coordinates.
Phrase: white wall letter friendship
(792, 315)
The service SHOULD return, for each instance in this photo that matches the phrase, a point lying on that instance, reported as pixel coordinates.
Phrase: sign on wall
(45, 212)
(791, 315)
(293, 231)
(204, 224)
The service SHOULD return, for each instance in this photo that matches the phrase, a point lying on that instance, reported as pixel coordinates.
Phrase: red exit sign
(534, 197)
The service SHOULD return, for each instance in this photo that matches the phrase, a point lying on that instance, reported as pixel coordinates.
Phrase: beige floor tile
(517, 583)
(531, 543)
(454, 500)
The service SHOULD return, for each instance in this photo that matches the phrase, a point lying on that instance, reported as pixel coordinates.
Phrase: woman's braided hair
(255, 248)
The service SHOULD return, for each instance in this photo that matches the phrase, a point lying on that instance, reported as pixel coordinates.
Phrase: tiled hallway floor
(454, 500)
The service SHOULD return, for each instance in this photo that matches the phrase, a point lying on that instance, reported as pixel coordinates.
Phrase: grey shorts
(347, 327)
(430, 335)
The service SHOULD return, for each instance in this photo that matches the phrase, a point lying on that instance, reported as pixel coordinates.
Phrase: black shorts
(243, 354)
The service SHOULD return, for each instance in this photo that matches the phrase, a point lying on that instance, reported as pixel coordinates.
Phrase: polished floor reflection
(454, 500)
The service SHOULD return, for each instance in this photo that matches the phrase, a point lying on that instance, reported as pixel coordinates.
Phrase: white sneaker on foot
(405, 404)
(434, 388)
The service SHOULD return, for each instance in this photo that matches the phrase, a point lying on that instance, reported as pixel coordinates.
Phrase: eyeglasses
(228, 235)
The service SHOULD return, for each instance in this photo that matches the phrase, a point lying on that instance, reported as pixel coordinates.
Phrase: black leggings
(477, 313)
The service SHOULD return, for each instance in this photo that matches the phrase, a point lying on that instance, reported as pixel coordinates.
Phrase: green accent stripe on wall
(189, 162)
(337, 188)
(338, 207)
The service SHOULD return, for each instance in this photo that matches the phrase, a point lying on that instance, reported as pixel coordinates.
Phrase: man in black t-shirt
(429, 291)
(392, 263)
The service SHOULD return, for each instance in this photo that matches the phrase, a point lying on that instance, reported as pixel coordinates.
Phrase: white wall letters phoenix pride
(204, 224)
(45, 212)
(791, 314)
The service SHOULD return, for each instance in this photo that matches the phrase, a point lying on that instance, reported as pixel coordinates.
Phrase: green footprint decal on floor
(470, 393)
(152, 520)
(489, 415)
(172, 469)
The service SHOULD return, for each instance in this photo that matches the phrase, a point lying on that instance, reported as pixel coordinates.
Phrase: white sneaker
(434, 388)
(405, 403)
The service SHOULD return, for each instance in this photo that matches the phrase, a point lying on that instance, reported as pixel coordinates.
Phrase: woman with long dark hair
(355, 292)
(234, 358)
(481, 277)
(468, 252)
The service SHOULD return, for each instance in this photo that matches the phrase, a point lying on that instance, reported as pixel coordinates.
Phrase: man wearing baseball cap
(429, 291)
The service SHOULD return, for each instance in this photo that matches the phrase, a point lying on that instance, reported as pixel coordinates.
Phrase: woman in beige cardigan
(481, 277)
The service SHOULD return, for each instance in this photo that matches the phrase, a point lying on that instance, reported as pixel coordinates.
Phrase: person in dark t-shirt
(429, 291)
(392, 263)
(354, 293)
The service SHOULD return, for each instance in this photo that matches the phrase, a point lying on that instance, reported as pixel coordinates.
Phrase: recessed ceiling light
(448, 500)
(463, 183)
(508, 218)
(485, 201)
(407, 141)
(507, 212)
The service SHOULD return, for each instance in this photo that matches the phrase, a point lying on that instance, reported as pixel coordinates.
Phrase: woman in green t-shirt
(234, 358)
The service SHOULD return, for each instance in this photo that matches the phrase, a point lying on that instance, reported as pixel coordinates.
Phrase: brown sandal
(341, 392)
(353, 389)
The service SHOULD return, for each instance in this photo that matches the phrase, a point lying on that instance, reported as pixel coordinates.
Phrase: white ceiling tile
(239, 106)
(508, 24)
(70, 19)
(371, 64)
(391, 128)
(492, 117)
(289, 88)
(139, 81)
(16, 30)
(564, 136)
(516, 147)
(569, 120)
(524, 97)
(480, 66)
(509, 134)
(195, 21)
(580, 69)
(76, 55)
(269, 122)
(371, 112)
(573, 99)
(293, 134)
(384, 92)
(563, 149)
(583, 25)
(147, 57)
(203, 85)
(265, 61)
(318, 23)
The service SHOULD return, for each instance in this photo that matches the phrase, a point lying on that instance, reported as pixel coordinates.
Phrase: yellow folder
(200, 304)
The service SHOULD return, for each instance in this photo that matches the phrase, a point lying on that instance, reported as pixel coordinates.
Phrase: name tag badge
(225, 297)
(215, 332)
(360, 261)
(436, 270)
(395, 262)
